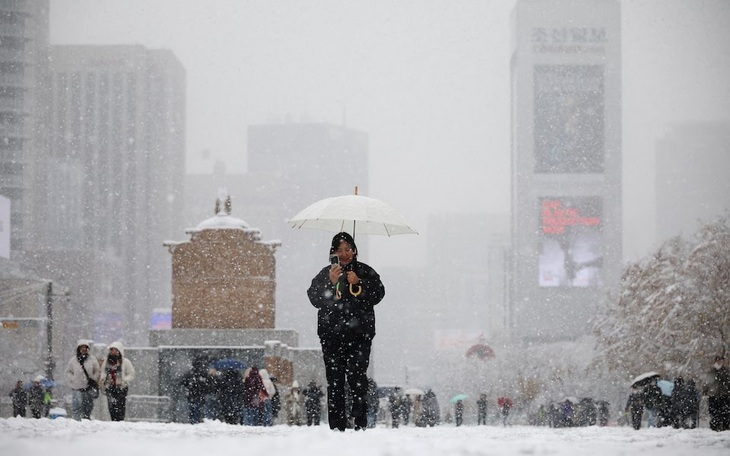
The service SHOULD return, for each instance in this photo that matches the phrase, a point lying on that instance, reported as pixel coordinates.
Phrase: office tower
(23, 55)
(566, 164)
(114, 173)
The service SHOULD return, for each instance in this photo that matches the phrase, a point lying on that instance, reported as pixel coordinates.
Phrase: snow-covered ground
(65, 437)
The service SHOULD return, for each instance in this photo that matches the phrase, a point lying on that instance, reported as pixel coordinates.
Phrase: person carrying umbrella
(505, 405)
(345, 294)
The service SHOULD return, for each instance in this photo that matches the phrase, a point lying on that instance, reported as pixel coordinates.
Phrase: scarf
(112, 370)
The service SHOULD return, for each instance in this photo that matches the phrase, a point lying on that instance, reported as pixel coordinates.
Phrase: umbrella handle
(359, 290)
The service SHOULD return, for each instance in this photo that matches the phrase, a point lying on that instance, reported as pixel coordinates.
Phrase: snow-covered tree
(672, 313)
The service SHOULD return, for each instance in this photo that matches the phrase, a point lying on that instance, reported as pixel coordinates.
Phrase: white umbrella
(350, 213)
(413, 392)
(643, 379)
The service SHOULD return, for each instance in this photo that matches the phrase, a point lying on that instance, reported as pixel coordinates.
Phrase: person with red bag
(254, 396)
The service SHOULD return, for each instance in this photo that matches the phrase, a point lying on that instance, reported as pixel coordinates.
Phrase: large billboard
(571, 242)
(569, 119)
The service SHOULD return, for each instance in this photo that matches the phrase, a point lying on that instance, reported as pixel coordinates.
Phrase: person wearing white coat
(117, 372)
(80, 369)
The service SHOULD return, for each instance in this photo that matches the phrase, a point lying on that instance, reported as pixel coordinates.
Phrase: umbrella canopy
(413, 392)
(504, 400)
(350, 213)
(45, 383)
(644, 379)
(228, 364)
(459, 397)
(666, 386)
(481, 351)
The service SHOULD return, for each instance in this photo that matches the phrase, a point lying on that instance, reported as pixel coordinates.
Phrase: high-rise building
(23, 56)
(566, 164)
(691, 177)
(114, 174)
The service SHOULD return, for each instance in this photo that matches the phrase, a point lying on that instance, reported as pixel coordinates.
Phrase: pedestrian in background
(505, 405)
(275, 399)
(431, 409)
(293, 402)
(313, 403)
(394, 401)
(35, 397)
(635, 408)
(47, 400)
(268, 401)
(482, 409)
(653, 400)
(373, 402)
(81, 370)
(254, 396)
(20, 399)
(117, 372)
(198, 383)
(718, 392)
(459, 412)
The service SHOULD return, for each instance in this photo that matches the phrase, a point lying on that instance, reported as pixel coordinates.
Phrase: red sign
(555, 217)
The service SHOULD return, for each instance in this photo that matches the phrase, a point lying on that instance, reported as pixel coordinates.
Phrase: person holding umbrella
(345, 294)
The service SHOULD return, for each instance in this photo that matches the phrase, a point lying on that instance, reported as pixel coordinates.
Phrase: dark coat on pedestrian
(635, 406)
(682, 404)
(431, 409)
(35, 399)
(718, 392)
(197, 383)
(20, 399)
(231, 394)
(350, 317)
(313, 403)
(459, 412)
(346, 327)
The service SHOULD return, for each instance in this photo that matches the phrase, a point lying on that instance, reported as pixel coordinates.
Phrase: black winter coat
(198, 383)
(349, 317)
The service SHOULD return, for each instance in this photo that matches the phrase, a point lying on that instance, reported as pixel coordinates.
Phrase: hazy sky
(428, 81)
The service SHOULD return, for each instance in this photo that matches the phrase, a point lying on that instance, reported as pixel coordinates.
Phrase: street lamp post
(50, 364)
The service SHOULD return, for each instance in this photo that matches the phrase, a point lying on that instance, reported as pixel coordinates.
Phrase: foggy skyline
(428, 82)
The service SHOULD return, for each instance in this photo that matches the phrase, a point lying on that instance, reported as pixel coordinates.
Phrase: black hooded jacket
(349, 317)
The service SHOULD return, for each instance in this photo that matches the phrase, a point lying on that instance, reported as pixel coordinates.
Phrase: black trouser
(719, 408)
(636, 413)
(117, 400)
(313, 416)
(481, 417)
(346, 361)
